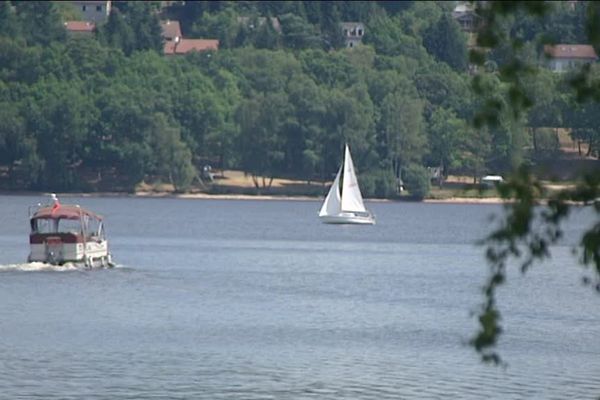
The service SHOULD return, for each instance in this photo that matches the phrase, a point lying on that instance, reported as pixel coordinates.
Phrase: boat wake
(40, 267)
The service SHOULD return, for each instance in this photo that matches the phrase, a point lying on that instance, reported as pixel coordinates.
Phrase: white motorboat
(66, 233)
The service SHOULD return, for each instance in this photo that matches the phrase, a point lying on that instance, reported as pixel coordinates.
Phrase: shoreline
(206, 196)
(246, 197)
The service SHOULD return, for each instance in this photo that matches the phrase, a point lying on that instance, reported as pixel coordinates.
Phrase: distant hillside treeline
(75, 112)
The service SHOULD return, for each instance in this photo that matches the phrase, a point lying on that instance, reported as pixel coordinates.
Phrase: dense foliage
(83, 113)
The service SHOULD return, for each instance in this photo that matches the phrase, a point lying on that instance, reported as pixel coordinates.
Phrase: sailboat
(346, 207)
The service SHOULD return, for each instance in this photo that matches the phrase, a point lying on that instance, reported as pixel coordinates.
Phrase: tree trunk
(222, 164)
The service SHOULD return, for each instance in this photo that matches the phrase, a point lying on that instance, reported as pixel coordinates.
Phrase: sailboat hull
(348, 218)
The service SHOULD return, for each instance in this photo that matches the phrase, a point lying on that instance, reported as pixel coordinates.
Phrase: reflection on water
(248, 299)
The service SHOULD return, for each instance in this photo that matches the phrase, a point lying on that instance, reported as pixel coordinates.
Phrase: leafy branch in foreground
(532, 221)
(530, 226)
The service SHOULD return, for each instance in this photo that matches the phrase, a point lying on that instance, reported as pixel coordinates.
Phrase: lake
(230, 299)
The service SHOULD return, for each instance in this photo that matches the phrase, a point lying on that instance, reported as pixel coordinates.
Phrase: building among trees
(565, 57)
(93, 11)
(353, 33)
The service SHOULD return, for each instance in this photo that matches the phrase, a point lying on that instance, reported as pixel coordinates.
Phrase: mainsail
(351, 196)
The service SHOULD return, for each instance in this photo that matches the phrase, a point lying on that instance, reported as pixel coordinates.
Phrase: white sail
(346, 207)
(331, 205)
(351, 196)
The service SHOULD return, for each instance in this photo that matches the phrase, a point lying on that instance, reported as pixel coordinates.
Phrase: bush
(379, 184)
(416, 181)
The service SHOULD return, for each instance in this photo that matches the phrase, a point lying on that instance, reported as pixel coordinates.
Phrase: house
(353, 33)
(93, 11)
(184, 46)
(464, 14)
(80, 28)
(171, 30)
(175, 43)
(563, 57)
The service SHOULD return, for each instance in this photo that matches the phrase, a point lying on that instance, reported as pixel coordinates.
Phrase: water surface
(226, 299)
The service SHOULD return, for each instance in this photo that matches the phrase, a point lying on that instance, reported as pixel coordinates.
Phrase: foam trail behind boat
(38, 267)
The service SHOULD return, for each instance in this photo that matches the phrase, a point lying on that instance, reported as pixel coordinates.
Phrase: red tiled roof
(169, 48)
(80, 26)
(185, 46)
(170, 29)
(584, 51)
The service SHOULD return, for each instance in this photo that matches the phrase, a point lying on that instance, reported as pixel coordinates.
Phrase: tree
(330, 23)
(132, 26)
(527, 230)
(189, 12)
(40, 22)
(172, 158)
(223, 25)
(267, 71)
(402, 128)
(297, 33)
(117, 33)
(262, 120)
(12, 136)
(68, 11)
(385, 34)
(445, 134)
(146, 26)
(9, 24)
(447, 42)
(441, 86)
(327, 69)
(59, 120)
(546, 112)
(417, 181)
(395, 6)
(266, 36)
(349, 118)
(582, 118)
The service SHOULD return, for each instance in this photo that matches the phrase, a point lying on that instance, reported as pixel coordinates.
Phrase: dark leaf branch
(526, 233)
(528, 229)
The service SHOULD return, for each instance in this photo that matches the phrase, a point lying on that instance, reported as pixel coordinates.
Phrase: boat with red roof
(67, 233)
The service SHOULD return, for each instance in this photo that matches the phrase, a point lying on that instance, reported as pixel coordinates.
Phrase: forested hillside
(111, 107)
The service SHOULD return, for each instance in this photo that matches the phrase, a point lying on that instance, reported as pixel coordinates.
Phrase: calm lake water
(226, 299)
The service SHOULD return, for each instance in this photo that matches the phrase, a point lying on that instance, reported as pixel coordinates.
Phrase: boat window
(93, 227)
(43, 226)
(69, 226)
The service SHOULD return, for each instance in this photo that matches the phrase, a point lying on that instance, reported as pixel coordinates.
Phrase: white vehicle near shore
(491, 180)
(66, 233)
